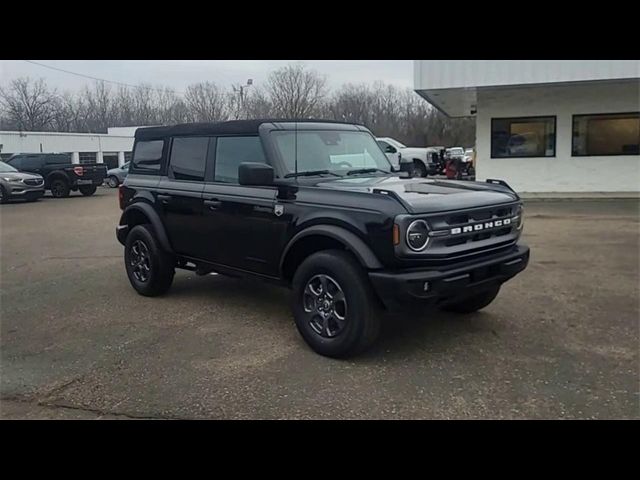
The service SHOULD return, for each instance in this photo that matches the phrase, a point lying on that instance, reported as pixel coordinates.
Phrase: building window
(87, 157)
(523, 137)
(606, 134)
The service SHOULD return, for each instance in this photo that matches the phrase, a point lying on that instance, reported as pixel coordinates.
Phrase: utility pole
(241, 91)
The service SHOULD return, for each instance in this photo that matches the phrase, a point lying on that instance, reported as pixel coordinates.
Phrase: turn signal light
(78, 171)
(396, 234)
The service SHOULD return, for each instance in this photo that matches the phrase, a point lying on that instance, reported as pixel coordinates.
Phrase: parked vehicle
(60, 175)
(455, 153)
(14, 184)
(281, 201)
(418, 161)
(524, 144)
(116, 176)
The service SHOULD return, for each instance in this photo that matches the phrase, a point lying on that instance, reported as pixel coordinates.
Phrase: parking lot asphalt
(560, 341)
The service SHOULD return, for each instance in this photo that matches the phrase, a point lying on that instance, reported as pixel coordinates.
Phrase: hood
(421, 195)
(20, 175)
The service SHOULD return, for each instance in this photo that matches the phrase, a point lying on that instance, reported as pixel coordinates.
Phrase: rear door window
(15, 162)
(32, 161)
(188, 158)
(147, 156)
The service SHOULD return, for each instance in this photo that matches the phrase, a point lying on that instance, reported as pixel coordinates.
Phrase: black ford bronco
(314, 205)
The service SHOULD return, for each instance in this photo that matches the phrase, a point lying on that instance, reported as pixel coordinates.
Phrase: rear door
(179, 193)
(241, 227)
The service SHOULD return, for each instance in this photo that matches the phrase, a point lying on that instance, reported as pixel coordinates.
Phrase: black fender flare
(149, 212)
(355, 244)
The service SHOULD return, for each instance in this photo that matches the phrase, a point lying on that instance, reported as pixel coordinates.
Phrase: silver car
(15, 184)
(116, 176)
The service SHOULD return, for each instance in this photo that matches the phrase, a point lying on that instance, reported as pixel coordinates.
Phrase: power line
(128, 85)
(99, 79)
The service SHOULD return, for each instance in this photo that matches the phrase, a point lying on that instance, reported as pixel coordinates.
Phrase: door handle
(212, 204)
(164, 199)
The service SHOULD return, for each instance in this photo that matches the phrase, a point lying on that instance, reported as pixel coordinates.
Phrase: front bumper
(403, 288)
(21, 190)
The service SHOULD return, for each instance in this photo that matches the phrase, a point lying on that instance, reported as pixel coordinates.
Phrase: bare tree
(291, 91)
(101, 111)
(206, 102)
(296, 92)
(29, 105)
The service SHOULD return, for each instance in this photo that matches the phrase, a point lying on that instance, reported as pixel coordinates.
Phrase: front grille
(33, 181)
(455, 234)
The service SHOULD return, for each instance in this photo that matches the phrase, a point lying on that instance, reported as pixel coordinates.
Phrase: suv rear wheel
(59, 188)
(474, 303)
(419, 170)
(149, 268)
(333, 304)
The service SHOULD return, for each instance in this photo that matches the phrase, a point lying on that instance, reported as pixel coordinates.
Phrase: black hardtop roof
(231, 127)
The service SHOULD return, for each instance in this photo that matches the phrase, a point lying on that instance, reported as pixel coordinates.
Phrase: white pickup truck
(418, 161)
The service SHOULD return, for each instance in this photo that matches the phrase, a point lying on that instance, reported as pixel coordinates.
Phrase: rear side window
(147, 156)
(231, 152)
(32, 161)
(188, 158)
(15, 162)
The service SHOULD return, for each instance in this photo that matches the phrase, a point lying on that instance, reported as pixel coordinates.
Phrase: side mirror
(251, 173)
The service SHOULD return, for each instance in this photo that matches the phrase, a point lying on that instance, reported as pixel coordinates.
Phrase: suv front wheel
(333, 304)
(149, 268)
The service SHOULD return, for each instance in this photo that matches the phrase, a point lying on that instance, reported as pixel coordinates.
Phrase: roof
(231, 127)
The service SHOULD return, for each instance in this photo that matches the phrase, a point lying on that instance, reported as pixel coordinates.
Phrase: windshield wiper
(311, 173)
(366, 170)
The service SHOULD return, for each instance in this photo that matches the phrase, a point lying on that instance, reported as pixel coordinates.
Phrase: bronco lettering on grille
(505, 222)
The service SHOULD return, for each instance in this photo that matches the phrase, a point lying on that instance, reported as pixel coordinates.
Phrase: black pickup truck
(315, 206)
(60, 175)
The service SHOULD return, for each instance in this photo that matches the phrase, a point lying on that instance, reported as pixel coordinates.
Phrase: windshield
(4, 168)
(333, 151)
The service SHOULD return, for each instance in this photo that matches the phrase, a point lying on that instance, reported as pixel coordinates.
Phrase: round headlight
(418, 235)
(520, 217)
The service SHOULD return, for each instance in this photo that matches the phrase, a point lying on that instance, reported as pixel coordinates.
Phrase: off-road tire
(362, 311)
(59, 188)
(419, 170)
(474, 303)
(160, 264)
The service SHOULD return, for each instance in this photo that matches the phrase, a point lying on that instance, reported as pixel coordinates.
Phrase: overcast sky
(180, 73)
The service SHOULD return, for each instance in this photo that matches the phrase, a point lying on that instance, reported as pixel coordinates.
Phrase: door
(242, 228)
(391, 152)
(179, 193)
(32, 164)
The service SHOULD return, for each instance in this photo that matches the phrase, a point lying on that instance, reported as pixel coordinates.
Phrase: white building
(113, 148)
(545, 125)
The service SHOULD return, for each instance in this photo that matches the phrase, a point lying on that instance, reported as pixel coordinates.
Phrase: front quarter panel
(368, 216)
